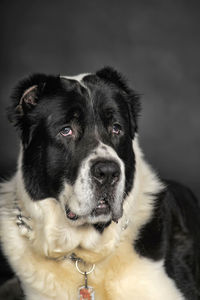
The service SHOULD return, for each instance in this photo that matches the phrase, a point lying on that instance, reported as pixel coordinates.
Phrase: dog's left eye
(66, 131)
(116, 129)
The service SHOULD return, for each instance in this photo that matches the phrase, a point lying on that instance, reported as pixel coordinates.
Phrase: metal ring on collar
(90, 271)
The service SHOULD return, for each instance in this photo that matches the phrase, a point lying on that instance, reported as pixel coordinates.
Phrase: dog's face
(77, 142)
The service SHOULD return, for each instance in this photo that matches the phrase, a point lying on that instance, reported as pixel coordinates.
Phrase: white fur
(120, 272)
(78, 78)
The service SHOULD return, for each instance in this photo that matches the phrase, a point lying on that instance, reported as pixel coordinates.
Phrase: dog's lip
(102, 208)
(71, 215)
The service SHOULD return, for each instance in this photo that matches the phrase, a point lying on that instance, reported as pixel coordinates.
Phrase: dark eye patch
(76, 114)
(108, 113)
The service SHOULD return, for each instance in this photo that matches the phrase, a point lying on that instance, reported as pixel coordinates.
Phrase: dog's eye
(116, 129)
(66, 131)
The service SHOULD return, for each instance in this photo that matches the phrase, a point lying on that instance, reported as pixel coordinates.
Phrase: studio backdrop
(155, 44)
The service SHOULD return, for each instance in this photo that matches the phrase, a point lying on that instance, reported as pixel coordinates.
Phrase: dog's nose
(105, 172)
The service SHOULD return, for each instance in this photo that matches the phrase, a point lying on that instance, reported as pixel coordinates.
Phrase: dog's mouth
(102, 208)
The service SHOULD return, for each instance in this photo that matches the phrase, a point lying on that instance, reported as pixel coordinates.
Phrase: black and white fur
(83, 187)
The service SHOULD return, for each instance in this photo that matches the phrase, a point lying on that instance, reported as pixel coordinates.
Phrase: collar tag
(86, 293)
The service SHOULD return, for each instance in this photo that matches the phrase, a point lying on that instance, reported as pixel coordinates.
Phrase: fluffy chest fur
(122, 274)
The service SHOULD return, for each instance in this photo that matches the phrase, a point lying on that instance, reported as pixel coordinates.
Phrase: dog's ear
(110, 75)
(28, 99)
(25, 97)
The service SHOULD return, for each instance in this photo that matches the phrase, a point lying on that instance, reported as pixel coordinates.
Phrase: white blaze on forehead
(78, 78)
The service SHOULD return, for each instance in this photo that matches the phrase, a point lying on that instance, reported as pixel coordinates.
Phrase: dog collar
(22, 220)
(85, 291)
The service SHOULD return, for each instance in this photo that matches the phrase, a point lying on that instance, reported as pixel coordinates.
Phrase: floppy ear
(28, 99)
(25, 97)
(110, 75)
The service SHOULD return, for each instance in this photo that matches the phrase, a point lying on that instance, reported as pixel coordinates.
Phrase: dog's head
(76, 137)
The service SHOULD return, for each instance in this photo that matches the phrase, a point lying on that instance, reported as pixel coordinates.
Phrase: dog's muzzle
(105, 176)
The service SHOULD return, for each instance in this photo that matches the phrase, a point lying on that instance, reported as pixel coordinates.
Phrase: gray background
(156, 44)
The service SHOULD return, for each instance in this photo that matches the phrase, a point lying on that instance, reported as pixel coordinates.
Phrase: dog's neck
(28, 229)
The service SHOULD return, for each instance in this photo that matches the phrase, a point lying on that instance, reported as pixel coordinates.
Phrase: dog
(85, 216)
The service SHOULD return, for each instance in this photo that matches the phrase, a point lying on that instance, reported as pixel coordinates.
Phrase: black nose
(105, 172)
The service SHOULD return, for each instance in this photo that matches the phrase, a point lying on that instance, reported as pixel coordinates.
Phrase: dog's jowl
(85, 217)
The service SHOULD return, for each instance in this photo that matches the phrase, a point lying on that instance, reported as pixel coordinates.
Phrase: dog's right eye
(66, 131)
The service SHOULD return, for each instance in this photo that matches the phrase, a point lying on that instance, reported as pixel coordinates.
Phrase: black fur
(134, 106)
(173, 235)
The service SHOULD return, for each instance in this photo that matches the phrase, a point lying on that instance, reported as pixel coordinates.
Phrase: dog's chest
(123, 277)
(128, 276)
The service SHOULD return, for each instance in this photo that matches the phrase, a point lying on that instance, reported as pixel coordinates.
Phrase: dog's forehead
(97, 92)
(78, 78)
